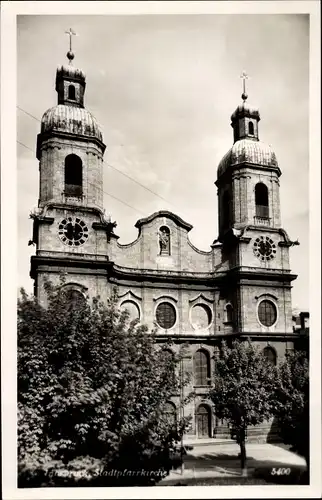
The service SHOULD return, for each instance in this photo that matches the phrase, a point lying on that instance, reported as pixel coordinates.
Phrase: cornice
(163, 275)
(66, 135)
(218, 337)
(244, 165)
(57, 262)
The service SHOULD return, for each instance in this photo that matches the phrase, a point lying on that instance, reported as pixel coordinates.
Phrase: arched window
(166, 315)
(164, 240)
(73, 176)
(229, 313)
(202, 367)
(74, 298)
(270, 355)
(261, 200)
(251, 128)
(71, 92)
(267, 313)
(226, 207)
(170, 413)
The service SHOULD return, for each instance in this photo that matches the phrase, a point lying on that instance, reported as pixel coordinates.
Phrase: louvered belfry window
(73, 176)
(166, 315)
(202, 368)
(261, 200)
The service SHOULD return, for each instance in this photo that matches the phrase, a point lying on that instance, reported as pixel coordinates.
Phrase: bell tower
(248, 176)
(70, 230)
(254, 245)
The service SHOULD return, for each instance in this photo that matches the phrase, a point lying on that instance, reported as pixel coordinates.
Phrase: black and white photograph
(160, 187)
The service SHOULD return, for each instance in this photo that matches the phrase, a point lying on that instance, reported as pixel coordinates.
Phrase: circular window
(267, 313)
(166, 315)
(132, 309)
(200, 316)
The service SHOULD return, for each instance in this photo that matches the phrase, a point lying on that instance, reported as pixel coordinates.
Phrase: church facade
(240, 288)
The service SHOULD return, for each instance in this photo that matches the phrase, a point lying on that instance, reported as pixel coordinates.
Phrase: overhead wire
(106, 192)
(110, 165)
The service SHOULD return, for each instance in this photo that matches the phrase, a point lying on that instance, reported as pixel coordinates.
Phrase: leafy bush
(293, 402)
(92, 389)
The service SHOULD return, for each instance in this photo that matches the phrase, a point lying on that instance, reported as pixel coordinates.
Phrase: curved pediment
(201, 297)
(165, 297)
(164, 213)
(268, 295)
(129, 294)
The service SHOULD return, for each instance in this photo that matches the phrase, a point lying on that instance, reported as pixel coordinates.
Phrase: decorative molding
(57, 134)
(202, 296)
(201, 252)
(161, 297)
(105, 226)
(74, 285)
(257, 297)
(130, 294)
(167, 214)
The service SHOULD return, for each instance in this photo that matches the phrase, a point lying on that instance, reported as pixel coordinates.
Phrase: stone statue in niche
(164, 241)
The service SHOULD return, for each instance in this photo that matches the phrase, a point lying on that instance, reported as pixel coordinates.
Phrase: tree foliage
(293, 402)
(244, 387)
(92, 388)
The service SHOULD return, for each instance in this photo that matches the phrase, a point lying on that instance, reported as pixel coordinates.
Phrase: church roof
(72, 120)
(248, 151)
(70, 71)
(245, 109)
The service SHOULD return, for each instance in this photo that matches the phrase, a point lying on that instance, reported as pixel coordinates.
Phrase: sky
(163, 88)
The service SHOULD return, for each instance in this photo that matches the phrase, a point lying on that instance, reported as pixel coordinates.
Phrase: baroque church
(240, 288)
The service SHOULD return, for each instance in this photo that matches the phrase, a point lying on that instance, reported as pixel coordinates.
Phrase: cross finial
(244, 76)
(70, 53)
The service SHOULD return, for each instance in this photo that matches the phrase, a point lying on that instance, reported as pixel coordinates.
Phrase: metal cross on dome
(244, 76)
(70, 33)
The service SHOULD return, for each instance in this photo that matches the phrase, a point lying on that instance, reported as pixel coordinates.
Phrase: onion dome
(250, 152)
(247, 148)
(70, 116)
(70, 120)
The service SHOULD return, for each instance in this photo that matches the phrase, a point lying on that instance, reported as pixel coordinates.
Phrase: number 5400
(280, 471)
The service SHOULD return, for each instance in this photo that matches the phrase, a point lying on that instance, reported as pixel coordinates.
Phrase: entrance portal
(203, 422)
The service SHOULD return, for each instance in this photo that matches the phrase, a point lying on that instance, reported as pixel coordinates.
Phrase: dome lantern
(245, 118)
(70, 81)
(247, 148)
(70, 118)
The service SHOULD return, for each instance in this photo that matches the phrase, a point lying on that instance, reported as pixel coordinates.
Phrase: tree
(293, 402)
(92, 390)
(244, 388)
